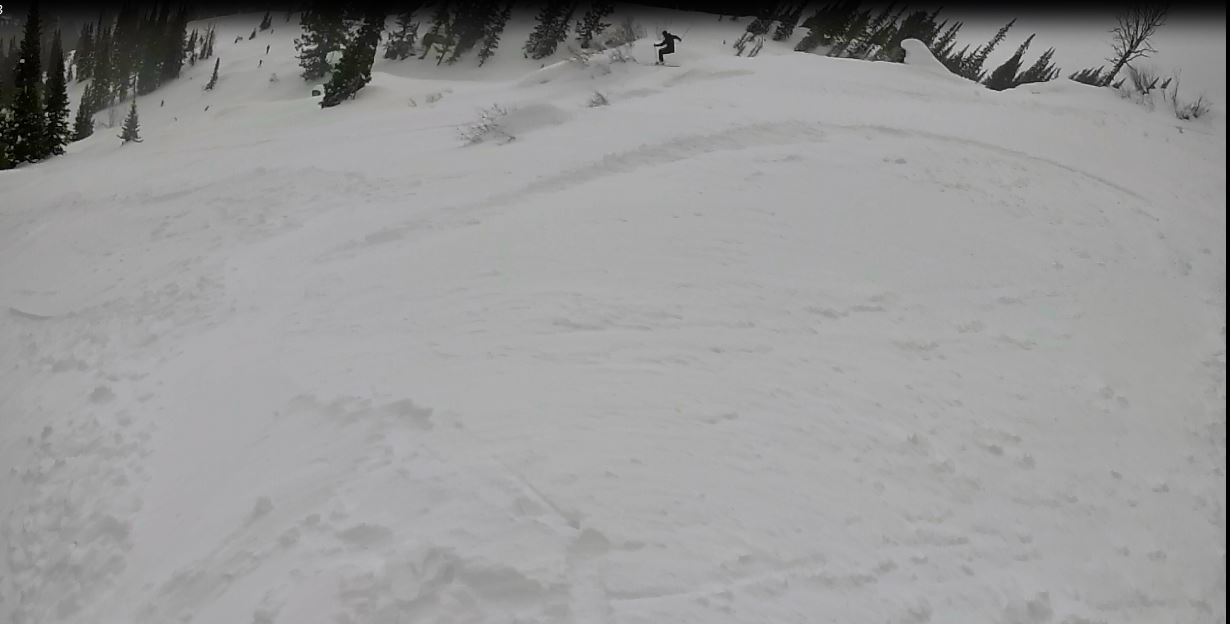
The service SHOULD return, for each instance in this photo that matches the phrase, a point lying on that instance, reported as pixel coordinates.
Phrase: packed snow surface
(784, 339)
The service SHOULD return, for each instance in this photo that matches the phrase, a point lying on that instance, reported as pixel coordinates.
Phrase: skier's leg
(661, 56)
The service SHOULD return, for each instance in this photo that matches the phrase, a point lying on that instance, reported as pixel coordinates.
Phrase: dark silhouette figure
(666, 46)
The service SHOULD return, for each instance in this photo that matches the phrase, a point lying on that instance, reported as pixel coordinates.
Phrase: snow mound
(918, 55)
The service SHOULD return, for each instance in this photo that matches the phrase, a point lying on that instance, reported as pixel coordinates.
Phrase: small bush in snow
(432, 98)
(1182, 109)
(1192, 110)
(273, 77)
(489, 125)
(1143, 80)
(598, 99)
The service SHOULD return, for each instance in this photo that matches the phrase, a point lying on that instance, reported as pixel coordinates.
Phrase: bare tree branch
(1134, 27)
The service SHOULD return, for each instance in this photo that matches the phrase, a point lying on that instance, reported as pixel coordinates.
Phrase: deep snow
(783, 339)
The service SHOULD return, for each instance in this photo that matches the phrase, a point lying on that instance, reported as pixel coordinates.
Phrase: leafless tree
(1135, 26)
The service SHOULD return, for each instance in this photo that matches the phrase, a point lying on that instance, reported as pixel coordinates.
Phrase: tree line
(138, 50)
(124, 56)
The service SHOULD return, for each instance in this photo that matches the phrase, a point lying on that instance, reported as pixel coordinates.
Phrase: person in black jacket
(666, 46)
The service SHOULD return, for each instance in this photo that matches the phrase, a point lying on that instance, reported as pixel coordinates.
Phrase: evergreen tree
(826, 24)
(788, 21)
(103, 72)
(401, 41)
(539, 45)
(1090, 76)
(857, 26)
(84, 56)
(354, 70)
(1042, 70)
(83, 123)
(56, 100)
(213, 79)
(174, 45)
(559, 29)
(463, 30)
(131, 129)
(125, 47)
(1005, 76)
(944, 43)
(6, 151)
(591, 24)
(192, 48)
(972, 68)
(26, 129)
(207, 49)
(324, 32)
(149, 59)
(266, 21)
(492, 30)
(439, 23)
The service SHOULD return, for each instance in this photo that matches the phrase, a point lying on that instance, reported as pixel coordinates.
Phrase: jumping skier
(666, 46)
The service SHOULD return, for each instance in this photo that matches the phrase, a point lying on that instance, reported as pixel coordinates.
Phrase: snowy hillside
(787, 339)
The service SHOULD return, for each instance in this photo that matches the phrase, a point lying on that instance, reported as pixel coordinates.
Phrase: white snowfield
(787, 339)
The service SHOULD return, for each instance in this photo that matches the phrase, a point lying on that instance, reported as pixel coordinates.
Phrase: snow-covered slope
(782, 339)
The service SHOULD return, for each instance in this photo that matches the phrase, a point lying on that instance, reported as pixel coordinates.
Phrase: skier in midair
(666, 46)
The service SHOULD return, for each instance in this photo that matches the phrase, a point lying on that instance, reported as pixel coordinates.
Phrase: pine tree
(439, 23)
(192, 48)
(26, 131)
(591, 24)
(826, 24)
(56, 107)
(354, 70)
(788, 21)
(83, 123)
(541, 42)
(492, 30)
(266, 21)
(148, 61)
(213, 79)
(468, 24)
(131, 131)
(944, 43)
(856, 28)
(103, 71)
(1041, 71)
(174, 45)
(1090, 76)
(6, 150)
(401, 41)
(1005, 76)
(972, 68)
(861, 42)
(324, 32)
(84, 57)
(125, 47)
(207, 49)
